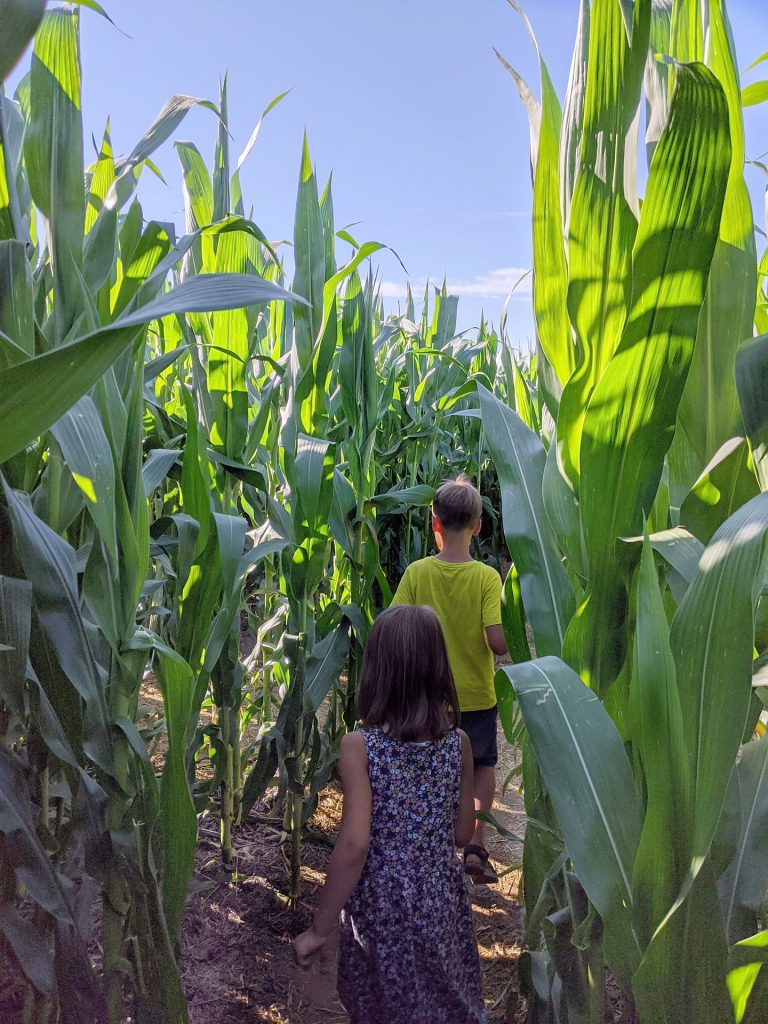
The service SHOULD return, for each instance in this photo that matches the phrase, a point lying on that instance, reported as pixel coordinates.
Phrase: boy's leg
(484, 790)
(481, 727)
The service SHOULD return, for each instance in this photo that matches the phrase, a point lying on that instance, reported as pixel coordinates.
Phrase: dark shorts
(480, 726)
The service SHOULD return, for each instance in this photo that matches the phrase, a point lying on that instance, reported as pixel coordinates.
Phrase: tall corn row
(637, 530)
(82, 275)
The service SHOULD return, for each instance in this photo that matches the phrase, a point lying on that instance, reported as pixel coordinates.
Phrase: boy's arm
(491, 611)
(495, 637)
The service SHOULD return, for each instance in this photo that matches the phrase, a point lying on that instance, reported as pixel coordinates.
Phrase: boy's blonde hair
(457, 504)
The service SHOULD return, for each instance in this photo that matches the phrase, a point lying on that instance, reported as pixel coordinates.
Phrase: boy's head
(457, 506)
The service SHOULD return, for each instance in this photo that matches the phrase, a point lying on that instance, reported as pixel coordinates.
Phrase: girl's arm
(351, 850)
(464, 828)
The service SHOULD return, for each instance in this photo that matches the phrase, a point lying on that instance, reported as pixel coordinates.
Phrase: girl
(407, 951)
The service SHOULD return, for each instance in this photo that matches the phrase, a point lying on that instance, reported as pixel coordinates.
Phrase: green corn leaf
(358, 380)
(15, 627)
(657, 73)
(681, 550)
(745, 823)
(513, 618)
(100, 220)
(33, 395)
(161, 129)
(603, 223)
(712, 639)
(631, 415)
(324, 665)
(45, 887)
(309, 256)
(749, 998)
(753, 94)
(20, 20)
(92, 5)
(151, 250)
(179, 821)
(519, 458)
(227, 362)
(551, 273)
(726, 484)
(16, 297)
(195, 475)
(687, 31)
(311, 479)
(563, 511)
(198, 187)
(589, 780)
(221, 198)
(752, 389)
(157, 466)
(88, 456)
(708, 415)
(49, 564)
(573, 113)
(660, 865)
(666, 989)
(30, 948)
(53, 150)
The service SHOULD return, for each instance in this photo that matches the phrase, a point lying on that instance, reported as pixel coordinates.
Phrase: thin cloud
(492, 285)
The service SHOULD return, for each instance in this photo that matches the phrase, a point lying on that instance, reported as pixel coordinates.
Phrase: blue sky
(405, 102)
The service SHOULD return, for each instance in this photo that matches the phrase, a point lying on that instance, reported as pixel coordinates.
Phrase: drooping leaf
(519, 459)
(589, 780)
(33, 395)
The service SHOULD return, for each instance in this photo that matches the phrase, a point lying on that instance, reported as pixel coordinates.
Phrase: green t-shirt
(467, 598)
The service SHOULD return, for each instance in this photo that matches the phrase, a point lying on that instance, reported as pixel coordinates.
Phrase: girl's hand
(307, 945)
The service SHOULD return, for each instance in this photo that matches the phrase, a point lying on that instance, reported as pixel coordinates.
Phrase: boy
(467, 598)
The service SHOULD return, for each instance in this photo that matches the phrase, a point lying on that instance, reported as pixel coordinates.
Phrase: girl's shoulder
(353, 754)
(353, 742)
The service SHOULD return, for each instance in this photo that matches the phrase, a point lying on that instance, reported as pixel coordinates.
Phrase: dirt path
(237, 935)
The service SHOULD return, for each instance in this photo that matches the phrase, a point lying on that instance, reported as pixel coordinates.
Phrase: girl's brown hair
(406, 685)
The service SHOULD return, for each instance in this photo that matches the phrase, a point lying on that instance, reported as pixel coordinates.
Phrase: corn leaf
(712, 638)
(589, 780)
(752, 388)
(726, 484)
(745, 881)
(631, 415)
(34, 394)
(603, 224)
(179, 821)
(708, 415)
(660, 865)
(519, 458)
(88, 455)
(20, 19)
(53, 150)
(16, 297)
(49, 564)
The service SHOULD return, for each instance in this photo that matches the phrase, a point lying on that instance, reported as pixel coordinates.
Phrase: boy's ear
(476, 530)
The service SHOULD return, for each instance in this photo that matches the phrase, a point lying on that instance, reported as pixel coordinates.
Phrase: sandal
(483, 872)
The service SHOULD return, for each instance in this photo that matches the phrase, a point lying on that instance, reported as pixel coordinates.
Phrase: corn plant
(637, 531)
(82, 276)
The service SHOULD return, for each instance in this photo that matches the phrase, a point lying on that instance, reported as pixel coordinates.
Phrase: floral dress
(407, 953)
